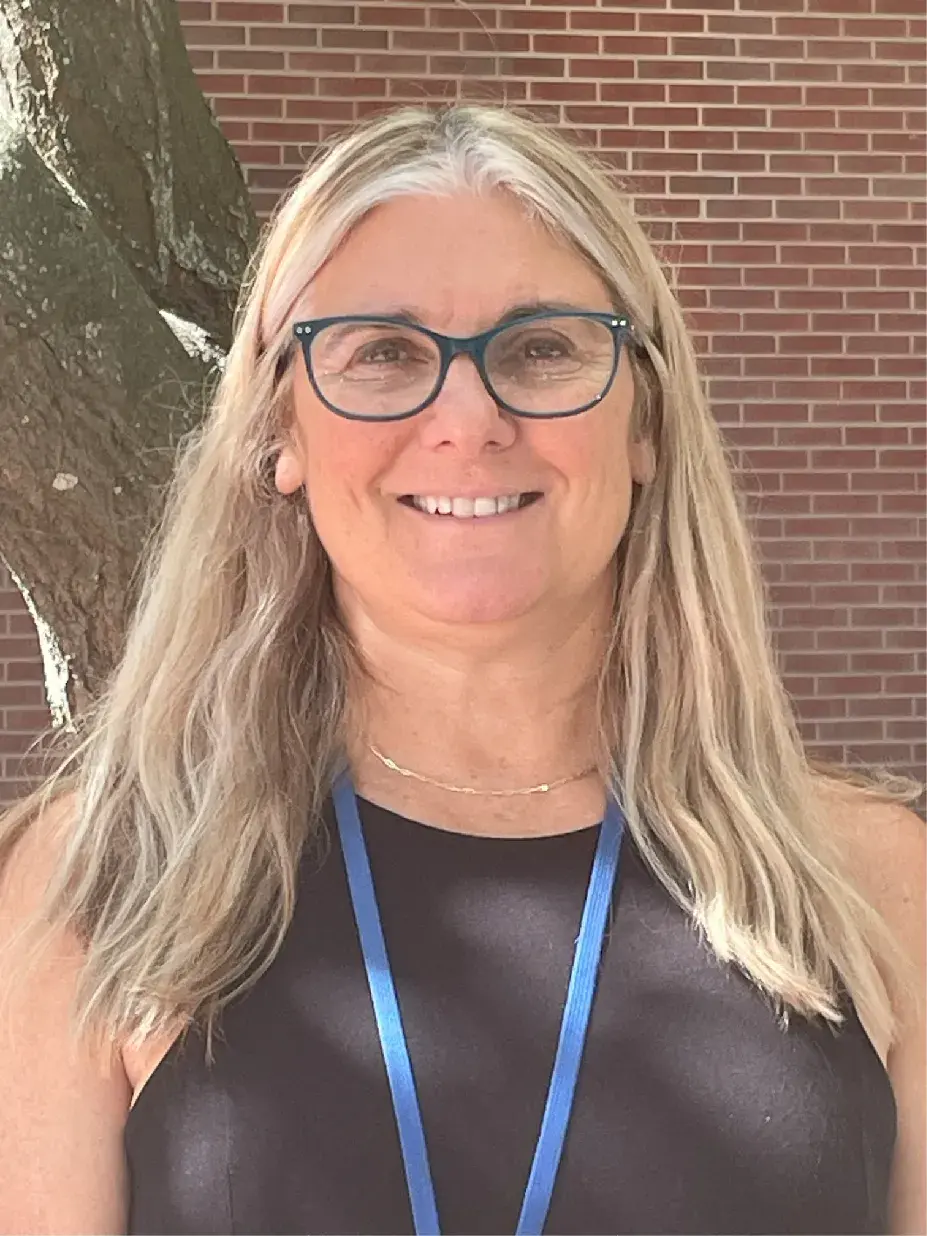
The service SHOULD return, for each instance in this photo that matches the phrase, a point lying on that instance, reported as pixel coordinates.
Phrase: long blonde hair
(201, 772)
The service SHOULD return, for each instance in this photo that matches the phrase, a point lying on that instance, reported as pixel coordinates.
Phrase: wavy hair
(200, 774)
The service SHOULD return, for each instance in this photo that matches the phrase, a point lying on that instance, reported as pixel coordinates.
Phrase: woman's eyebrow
(539, 306)
(416, 317)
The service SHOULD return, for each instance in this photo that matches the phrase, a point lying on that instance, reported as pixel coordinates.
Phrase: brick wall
(22, 699)
(779, 152)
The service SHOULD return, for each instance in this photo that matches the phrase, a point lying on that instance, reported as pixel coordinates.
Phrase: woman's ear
(642, 459)
(288, 471)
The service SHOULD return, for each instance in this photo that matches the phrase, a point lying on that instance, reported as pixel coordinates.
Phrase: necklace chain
(544, 788)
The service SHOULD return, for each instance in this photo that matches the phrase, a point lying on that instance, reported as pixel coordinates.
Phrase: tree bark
(106, 95)
(125, 228)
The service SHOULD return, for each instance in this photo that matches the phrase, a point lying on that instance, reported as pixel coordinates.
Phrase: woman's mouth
(469, 508)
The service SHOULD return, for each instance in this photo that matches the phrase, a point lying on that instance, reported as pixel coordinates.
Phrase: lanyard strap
(573, 1028)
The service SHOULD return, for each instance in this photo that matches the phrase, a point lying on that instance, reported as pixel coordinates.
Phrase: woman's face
(460, 264)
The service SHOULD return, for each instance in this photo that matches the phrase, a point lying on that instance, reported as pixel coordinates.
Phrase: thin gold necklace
(544, 788)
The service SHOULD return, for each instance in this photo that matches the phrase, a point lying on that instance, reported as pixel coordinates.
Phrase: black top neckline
(376, 813)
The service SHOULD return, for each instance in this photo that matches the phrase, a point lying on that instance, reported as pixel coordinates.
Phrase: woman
(455, 572)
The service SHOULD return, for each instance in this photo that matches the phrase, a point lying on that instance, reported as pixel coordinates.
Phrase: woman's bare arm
(903, 905)
(62, 1104)
(887, 849)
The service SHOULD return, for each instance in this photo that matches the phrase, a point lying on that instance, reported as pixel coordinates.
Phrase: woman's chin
(462, 602)
(477, 614)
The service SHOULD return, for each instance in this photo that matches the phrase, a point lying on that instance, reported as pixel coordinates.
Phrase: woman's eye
(544, 349)
(540, 350)
(386, 352)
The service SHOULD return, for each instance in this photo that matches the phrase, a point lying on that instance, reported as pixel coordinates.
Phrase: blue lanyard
(573, 1028)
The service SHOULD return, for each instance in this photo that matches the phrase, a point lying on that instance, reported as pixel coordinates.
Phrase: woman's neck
(479, 708)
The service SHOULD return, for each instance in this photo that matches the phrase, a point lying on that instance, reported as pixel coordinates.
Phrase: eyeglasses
(386, 369)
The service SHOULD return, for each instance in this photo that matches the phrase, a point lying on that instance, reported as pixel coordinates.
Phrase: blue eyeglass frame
(474, 346)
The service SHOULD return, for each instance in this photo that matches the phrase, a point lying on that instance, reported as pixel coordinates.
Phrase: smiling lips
(469, 508)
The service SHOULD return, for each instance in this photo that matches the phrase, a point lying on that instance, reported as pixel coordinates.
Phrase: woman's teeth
(467, 508)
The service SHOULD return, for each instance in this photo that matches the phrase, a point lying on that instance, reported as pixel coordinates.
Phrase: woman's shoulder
(884, 844)
(32, 942)
(63, 1097)
(31, 842)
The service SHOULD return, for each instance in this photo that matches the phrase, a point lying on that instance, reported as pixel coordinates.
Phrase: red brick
(392, 62)
(635, 45)
(22, 695)
(604, 67)
(320, 62)
(857, 164)
(701, 93)
(248, 106)
(286, 37)
(398, 15)
(883, 74)
(253, 153)
(671, 70)
(533, 66)
(628, 92)
(707, 186)
(558, 44)
(406, 89)
(563, 92)
(353, 87)
(772, 49)
(221, 83)
(658, 117)
(740, 71)
(328, 14)
(270, 60)
(739, 23)
(735, 118)
(707, 47)
(700, 139)
(652, 160)
(240, 10)
(807, 26)
(834, 140)
(494, 41)
(425, 40)
(541, 19)
(671, 23)
(873, 210)
(589, 19)
(501, 90)
(349, 37)
(765, 94)
(317, 109)
(14, 742)
(731, 161)
(214, 35)
(900, 97)
(737, 207)
(905, 142)
(25, 720)
(804, 71)
(278, 85)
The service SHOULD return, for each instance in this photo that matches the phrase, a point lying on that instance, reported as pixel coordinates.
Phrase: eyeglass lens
(541, 368)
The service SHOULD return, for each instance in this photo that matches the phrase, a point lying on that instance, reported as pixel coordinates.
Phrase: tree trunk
(125, 229)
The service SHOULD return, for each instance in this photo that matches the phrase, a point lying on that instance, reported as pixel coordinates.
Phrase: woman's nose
(464, 414)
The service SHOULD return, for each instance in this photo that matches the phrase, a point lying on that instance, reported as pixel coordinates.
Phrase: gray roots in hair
(201, 773)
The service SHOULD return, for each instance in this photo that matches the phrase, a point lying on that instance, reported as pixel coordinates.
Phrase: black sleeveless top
(694, 1112)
